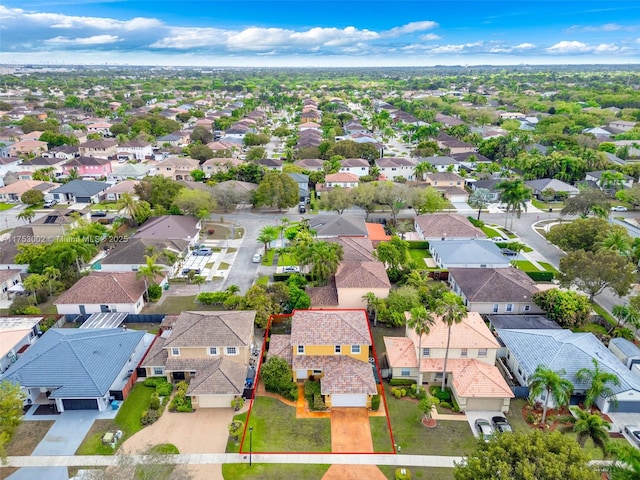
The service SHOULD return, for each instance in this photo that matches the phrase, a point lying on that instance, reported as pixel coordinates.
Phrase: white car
(619, 208)
(633, 432)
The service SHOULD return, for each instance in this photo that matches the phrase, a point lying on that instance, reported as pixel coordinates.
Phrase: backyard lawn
(418, 254)
(276, 429)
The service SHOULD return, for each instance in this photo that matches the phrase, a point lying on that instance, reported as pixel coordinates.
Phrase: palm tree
(479, 199)
(232, 289)
(325, 257)
(131, 207)
(627, 463)
(515, 195)
(617, 240)
(27, 215)
(198, 280)
(267, 235)
(149, 271)
(551, 382)
(598, 380)
(590, 425)
(420, 322)
(73, 174)
(451, 311)
(33, 283)
(421, 169)
(373, 306)
(51, 273)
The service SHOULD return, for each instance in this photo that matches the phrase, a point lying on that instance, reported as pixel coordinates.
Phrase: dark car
(185, 271)
(507, 252)
(501, 424)
(302, 208)
(98, 214)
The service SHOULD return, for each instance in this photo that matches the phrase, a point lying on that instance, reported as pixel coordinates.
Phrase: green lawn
(448, 438)
(286, 259)
(127, 420)
(268, 258)
(104, 206)
(548, 267)
(276, 429)
(418, 254)
(174, 305)
(419, 473)
(273, 471)
(490, 232)
(380, 433)
(525, 265)
(6, 206)
(603, 313)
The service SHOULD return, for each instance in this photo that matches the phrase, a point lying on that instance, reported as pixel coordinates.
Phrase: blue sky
(319, 33)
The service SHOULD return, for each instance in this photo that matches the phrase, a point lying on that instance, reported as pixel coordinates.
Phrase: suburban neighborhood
(402, 275)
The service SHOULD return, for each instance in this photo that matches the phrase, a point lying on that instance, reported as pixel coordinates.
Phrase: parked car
(484, 429)
(501, 424)
(185, 271)
(497, 239)
(50, 203)
(633, 432)
(257, 258)
(507, 252)
(202, 252)
(98, 214)
(291, 269)
(302, 208)
(619, 208)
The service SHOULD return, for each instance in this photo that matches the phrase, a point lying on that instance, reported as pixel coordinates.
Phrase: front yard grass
(603, 313)
(448, 438)
(525, 265)
(286, 259)
(276, 429)
(268, 258)
(548, 267)
(380, 433)
(491, 232)
(432, 473)
(127, 420)
(273, 471)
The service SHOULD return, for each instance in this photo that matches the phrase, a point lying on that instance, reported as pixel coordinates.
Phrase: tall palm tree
(420, 322)
(515, 195)
(51, 273)
(33, 283)
(421, 169)
(591, 425)
(617, 240)
(27, 215)
(598, 380)
(149, 271)
(552, 383)
(627, 463)
(267, 235)
(325, 259)
(451, 311)
(130, 207)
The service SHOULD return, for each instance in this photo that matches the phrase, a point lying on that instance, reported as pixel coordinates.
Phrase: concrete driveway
(486, 415)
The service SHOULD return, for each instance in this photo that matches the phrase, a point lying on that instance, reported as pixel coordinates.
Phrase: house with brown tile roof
(356, 279)
(495, 290)
(475, 381)
(334, 347)
(445, 226)
(213, 351)
(170, 227)
(99, 148)
(103, 292)
(12, 192)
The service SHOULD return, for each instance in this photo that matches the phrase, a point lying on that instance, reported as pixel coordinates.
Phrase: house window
(509, 307)
(158, 370)
(337, 350)
(405, 372)
(175, 351)
(496, 307)
(355, 349)
(482, 352)
(301, 349)
(527, 308)
(232, 351)
(426, 352)
(213, 350)
(463, 352)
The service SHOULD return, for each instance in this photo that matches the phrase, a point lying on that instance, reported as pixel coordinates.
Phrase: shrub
(418, 244)
(375, 402)
(401, 381)
(23, 305)
(149, 416)
(475, 222)
(403, 473)
(212, 298)
(237, 403)
(318, 402)
(154, 402)
(397, 393)
(442, 395)
(541, 276)
(164, 389)
(181, 402)
(311, 388)
(445, 404)
(155, 292)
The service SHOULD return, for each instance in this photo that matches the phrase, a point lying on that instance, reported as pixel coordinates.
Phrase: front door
(178, 376)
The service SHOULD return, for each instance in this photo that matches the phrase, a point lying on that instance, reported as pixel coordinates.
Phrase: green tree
(44, 174)
(566, 307)
(277, 376)
(324, 258)
(392, 195)
(627, 463)
(193, 202)
(201, 134)
(51, 274)
(159, 191)
(27, 215)
(420, 321)
(592, 426)
(256, 153)
(425, 200)
(425, 405)
(236, 427)
(617, 240)
(338, 199)
(451, 311)
(133, 208)
(32, 197)
(393, 253)
(33, 283)
(515, 195)
(200, 152)
(588, 200)
(197, 175)
(580, 234)
(526, 456)
(11, 412)
(630, 195)
(278, 190)
(364, 196)
(150, 271)
(597, 380)
(592, 272)
(480, 198)
(551, 383)
(268, 234)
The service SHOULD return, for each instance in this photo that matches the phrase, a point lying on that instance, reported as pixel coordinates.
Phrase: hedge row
(401, 381)
(541, 276)
(418, 244)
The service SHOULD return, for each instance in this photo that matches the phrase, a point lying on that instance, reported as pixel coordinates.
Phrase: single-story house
(16, 335)
(130, 256)
(116, 191)
(328, 226)
(476, 253)
(170, 227)
(444, 226)
(79, 191)
(11, 193)
(551, 184)
(136, 171)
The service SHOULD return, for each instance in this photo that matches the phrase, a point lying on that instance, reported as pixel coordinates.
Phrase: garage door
(625, 407)
(478, 404)
(348, 400)
(214, 401)
(80, 404)
(301, 374)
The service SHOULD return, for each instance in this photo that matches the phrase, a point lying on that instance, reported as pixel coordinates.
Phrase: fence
(131, 318)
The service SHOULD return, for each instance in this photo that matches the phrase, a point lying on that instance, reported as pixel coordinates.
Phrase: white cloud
(524, 46)
(572, 47)
(94, 40)
(183, 38)
(607, 27)
(429, 37)
(412, 27)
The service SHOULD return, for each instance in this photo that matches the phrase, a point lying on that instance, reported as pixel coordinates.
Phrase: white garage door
(343, 400)
(479, 404)
(214, 401)
(301, 374)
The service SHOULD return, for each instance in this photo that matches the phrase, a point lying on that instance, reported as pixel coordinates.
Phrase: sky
(319, 33)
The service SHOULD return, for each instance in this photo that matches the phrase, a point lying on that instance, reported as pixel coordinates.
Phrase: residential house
(79, 369)
(328, 226)
(310, 164)
(495, 290)
(7, 165)
(171, 227)
(216, 165)
(115, 192)
(333, 346)
(476, 253)
(54, 224)
(134, 150)
(16, 335)
(303, 185)
(491, 185)
(99, 148)
(452, 145)
(441, 163)
(88, 167)
(445, 226)
(552, 189)
(353, 166)
(22, 234)
(8, 278)
(100, 127)
(136, 171)
(177, 168)
(450, 184)
(80, 191)
(130, 256)
(213, 351)
(395, 167)
(66, 152)
(475, 381)
(27, 148)
(342, 180)
(569, 352)
(103, 292)
(622, 125)
(602, 179)
(175, 139)
(12, 193)
(38, 163)
(274, 164)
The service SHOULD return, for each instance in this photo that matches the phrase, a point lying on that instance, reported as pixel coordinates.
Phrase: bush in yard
(403, 473)
(23, 305)
(278, 377)
(149, 416)
(181, 402)
(445, 404)
(318, 403)
(475, 222)
(401, 381)
(375, 402)
(212, 298)
(155, 292)
(442, 395)
(235, 429)
(237, 403)
(154, 402)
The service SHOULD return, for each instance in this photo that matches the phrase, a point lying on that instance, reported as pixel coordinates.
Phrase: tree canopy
(278, 190)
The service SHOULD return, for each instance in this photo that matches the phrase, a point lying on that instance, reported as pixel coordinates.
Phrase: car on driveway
(507, 252)
(50, 203)
(633, 432)
(501, 424)
(185, 271)
(291, 269)
(202, 252)
(484, 429)
(619, 208)
(497, 239)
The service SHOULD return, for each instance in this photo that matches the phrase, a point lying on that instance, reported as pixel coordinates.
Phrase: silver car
(484, 429)
(633, 432)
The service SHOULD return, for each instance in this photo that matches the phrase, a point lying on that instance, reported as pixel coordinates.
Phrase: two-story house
(213, 351)
(333, 346)
(354, 166)
(475, 381)
(88, 167)
(450, 184)
(397, 167)
(99, 148)
(134, 150)
(177, 168)
(27, 147)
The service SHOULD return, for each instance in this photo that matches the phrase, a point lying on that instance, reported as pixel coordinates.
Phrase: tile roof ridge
(117, 281)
